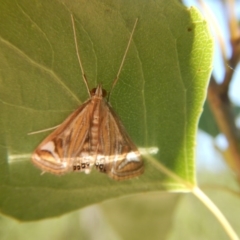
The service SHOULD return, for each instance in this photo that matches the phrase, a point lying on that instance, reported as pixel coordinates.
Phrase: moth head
(98, 91)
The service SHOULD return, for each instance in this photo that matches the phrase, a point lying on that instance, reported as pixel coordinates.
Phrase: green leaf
(159, 96)
(157, 215)
(207, 121)
(222, 189)
(132, 221)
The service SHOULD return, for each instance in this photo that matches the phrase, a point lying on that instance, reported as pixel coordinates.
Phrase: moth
(92, 136)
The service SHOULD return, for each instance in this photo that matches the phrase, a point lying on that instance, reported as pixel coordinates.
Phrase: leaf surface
(159, 96)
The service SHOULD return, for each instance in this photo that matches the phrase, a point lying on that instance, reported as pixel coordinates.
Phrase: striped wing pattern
(91, 136)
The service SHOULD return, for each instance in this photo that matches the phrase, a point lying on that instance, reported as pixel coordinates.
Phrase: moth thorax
(94, 130)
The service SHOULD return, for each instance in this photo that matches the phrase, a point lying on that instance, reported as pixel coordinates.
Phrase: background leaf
(159, 95)
(207, 121)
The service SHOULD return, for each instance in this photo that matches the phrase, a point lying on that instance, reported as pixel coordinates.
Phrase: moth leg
(44, 130)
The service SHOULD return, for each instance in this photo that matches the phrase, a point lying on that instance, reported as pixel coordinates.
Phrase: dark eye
(104, 93)
(92, 92)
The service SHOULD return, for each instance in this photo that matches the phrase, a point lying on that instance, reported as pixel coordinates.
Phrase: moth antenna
(123, 59)
(78, 55)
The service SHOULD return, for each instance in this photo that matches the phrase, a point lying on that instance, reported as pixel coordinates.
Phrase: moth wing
(61, 151)
(117, 154)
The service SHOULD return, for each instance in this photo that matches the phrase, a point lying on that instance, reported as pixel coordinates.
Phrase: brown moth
(92, 136)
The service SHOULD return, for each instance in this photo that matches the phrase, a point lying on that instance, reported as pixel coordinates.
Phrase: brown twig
(220, 104)
(224, 116)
